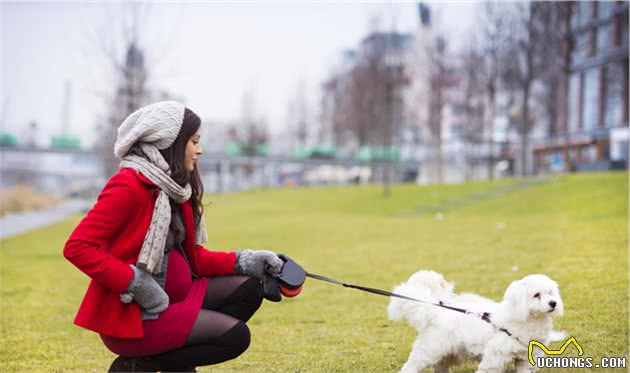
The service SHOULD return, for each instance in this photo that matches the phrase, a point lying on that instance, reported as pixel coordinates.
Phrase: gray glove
(145, 291)
(256, 262)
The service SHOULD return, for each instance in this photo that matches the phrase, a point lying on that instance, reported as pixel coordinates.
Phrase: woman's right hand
(258, 263)
(145, 291)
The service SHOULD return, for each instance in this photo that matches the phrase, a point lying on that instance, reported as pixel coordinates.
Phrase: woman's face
(193, 151)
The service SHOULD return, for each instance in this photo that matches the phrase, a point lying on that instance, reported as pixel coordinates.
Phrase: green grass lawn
(572, 228)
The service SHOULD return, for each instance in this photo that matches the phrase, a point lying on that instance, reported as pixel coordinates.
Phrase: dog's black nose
(553, 304)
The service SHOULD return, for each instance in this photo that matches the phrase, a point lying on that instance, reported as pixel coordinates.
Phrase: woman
(157, 297)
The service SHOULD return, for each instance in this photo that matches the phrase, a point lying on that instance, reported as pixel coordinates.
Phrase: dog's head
(533, 296)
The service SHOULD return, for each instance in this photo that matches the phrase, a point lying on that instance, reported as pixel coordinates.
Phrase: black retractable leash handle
(288, 283)
(292, 277)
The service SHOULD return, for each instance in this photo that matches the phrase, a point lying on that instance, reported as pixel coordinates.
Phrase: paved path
(12, 224)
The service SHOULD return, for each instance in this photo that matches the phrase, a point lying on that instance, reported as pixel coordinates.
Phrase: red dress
(170, 330)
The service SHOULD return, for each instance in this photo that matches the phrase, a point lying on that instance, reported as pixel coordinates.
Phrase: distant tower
(131, 90)
(425, 15)
(131, 94)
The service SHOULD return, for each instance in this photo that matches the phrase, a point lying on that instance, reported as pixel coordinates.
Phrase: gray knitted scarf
(147, 124)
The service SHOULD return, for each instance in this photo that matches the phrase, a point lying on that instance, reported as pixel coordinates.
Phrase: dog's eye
(537, 295)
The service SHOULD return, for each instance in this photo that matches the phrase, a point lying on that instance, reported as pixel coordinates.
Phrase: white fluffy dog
(447, 337)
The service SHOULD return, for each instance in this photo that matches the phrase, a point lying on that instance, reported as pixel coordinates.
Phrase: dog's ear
(560, 304)
(515, 301)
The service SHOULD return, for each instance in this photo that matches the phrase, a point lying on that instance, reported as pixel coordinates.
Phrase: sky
(206, 54)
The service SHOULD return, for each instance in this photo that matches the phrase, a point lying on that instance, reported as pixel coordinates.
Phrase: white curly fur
(447, 338)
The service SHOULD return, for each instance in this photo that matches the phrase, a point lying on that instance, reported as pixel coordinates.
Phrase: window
(614, 91)
(605, 9)
(624, 30)
(589, 153)
(459, 109)
(623, 149)
(574, 102)
(581, 48)
(583, 13)
(457, 131)
(604, 38)
(591, 95)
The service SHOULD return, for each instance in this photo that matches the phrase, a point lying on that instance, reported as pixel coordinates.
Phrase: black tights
(219, 333)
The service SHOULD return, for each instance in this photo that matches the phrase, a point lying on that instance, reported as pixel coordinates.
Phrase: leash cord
(485, 316)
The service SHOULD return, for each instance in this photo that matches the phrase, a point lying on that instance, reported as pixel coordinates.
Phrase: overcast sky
(205, 53)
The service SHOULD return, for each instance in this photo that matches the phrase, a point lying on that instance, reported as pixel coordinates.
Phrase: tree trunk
(389, 96)
(566, 69)
(386, 181)
(491, 109)
(525, 129)
(438, 134)
(440, 165)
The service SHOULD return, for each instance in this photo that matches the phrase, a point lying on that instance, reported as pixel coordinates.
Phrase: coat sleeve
(105, 219)
(213, 263)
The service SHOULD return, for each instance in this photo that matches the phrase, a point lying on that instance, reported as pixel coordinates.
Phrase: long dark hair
(174, 156)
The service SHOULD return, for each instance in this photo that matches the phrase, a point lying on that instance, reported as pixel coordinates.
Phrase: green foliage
(378, 153)
(316, 152)
(66, 142)
(574, 229)
(8, 139)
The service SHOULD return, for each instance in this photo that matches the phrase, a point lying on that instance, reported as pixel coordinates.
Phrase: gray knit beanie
(157, 124)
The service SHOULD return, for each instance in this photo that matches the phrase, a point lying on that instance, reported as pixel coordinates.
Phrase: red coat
(109, 238)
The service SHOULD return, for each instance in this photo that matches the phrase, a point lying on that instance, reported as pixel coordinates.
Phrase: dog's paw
(556, 336)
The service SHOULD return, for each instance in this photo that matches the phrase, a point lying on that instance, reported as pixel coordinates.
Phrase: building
(354, 97)
(591, 129)
(385, 64)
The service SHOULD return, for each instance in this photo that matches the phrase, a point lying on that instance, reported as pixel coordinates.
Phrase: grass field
(572, 228)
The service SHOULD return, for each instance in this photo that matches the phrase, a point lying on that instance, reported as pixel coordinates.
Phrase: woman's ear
(515, 301)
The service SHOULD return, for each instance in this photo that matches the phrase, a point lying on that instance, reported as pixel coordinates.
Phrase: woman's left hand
(256, 263)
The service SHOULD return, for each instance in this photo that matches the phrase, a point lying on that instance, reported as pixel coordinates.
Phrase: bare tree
(130, 73)
(297, 116)
(363, 101)
(438, 75)
(378, 79)
(485, 63)
(474, 80)
(531, 45)
(341, 105)
(120, 43)
(556, 75)
(494, 45)
(251, 132)
(330, 108)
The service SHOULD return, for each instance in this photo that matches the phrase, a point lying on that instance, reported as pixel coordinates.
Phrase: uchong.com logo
(554, 360)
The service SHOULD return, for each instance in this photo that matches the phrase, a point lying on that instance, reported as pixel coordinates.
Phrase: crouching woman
(156, 296)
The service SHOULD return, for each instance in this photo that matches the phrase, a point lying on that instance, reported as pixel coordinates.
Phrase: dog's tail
(424, 285)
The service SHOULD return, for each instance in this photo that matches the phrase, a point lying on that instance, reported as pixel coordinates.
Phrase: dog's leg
(496, 356)
(523, 366)
(425, 353)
